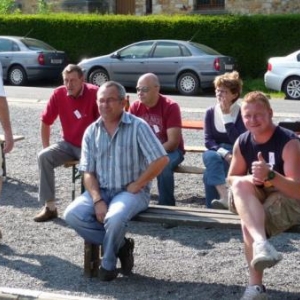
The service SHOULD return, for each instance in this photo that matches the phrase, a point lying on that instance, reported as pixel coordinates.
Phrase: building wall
(186, 6)
(263, 6)
(165, 6)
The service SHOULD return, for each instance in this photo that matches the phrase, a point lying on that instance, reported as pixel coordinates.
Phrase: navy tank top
(271, 150)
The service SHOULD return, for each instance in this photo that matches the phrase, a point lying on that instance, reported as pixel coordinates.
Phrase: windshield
(204, 49)
(33, 44)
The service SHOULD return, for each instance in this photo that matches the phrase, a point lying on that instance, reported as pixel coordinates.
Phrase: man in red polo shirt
(74, 104)
(164, 117)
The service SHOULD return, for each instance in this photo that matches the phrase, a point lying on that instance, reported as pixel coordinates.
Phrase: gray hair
(118, 86)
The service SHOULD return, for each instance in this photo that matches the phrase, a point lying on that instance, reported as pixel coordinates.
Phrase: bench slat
(189, 169)
(194, 148)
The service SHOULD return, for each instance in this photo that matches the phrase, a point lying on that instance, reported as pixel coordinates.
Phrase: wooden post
(91, 260)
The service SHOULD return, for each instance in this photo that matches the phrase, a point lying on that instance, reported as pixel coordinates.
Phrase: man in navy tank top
(264, 178)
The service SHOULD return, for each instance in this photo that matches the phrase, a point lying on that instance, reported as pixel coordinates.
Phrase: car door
(130, 63)
(165, 60)
(6, 54)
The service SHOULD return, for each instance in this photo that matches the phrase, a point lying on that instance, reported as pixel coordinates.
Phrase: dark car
(25, 59)
(181, 65)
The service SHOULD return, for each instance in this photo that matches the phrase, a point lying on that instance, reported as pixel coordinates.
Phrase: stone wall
(165, 7)
(262, 6)
(187, 6)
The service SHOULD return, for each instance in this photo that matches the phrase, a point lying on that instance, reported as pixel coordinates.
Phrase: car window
(33, 44)
(141, 50)
(6, 45)
(164, 49)
(204, 49)
(185, 51)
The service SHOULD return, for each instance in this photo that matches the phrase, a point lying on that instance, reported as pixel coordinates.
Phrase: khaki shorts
(281, 212)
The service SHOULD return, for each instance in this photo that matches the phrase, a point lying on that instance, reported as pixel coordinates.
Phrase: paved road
(287, 108)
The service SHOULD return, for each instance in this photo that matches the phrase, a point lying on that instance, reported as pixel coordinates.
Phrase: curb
(22, 294)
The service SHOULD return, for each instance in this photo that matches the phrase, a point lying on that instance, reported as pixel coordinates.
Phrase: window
(167, 50)
(209, 4)
(140, 50)
(6, 45)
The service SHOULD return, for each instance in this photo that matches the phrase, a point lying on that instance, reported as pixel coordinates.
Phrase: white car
(283, 74)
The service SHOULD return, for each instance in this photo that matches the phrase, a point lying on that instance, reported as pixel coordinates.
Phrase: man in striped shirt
(120, 157)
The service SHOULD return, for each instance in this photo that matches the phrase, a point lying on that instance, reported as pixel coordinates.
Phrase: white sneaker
(219, 204)
(264, 256)
(255, 292)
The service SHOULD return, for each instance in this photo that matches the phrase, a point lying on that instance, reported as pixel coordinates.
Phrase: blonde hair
(257, 96)
(232, 81)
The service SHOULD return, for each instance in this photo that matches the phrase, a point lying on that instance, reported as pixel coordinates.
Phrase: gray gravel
(177, 263)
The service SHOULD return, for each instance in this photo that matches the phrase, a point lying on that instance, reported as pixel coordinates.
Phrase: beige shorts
(281, 212)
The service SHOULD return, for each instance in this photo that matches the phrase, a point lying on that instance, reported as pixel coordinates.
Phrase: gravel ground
(177, 263)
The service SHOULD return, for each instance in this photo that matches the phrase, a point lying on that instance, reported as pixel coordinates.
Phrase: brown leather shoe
(45, 215)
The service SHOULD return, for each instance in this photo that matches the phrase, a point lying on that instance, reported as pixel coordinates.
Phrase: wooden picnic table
(193, 124)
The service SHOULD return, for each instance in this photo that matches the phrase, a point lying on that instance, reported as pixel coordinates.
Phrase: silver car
(181, 65)
(25, 59)
(283, 74)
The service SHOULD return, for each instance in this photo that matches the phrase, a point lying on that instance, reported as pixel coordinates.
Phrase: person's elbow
(162, 162)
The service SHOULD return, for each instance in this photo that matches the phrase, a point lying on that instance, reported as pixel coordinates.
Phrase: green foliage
(8, 7)
(250, 39)
(43, 7)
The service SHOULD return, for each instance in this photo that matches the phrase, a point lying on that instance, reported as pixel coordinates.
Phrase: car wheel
(17, 76)
(188, 84)
(98, 77)
(291, 88)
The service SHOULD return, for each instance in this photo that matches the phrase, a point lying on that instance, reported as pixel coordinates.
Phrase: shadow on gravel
(208, 237)
(45, 268)
(13, 188)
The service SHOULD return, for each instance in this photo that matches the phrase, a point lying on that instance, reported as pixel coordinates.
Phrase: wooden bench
(2, 141)
(187, 216)
(76, 174)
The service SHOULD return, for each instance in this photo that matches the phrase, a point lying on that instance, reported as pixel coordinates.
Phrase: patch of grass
(259, 85)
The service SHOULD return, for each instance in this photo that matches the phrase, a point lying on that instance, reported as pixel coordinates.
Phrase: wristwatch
(267, 182)
(271, 175)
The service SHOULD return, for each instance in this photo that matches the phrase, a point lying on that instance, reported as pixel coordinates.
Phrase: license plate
(56, 61)
(228, 67)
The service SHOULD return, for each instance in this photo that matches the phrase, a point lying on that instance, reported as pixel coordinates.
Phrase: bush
(251, 39)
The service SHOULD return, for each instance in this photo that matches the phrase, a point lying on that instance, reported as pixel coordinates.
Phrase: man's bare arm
(6, 125)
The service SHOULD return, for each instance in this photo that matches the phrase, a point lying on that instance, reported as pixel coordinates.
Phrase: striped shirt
(119, 160)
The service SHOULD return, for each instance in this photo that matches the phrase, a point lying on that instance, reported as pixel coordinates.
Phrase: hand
(100, 211)
(133, 187)
(225, 105)
(260, 170)
(228, 157)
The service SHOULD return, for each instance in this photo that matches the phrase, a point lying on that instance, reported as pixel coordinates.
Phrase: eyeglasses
(108, 101)
(143, 89)
(219, 91)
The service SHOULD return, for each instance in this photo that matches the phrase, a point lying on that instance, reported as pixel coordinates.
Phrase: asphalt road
(281, 107)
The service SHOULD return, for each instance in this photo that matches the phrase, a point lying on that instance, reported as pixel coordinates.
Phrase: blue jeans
(216, 169)
(165, 180)
(122, 207)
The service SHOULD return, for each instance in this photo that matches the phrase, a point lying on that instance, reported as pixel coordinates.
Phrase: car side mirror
(116, 55)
